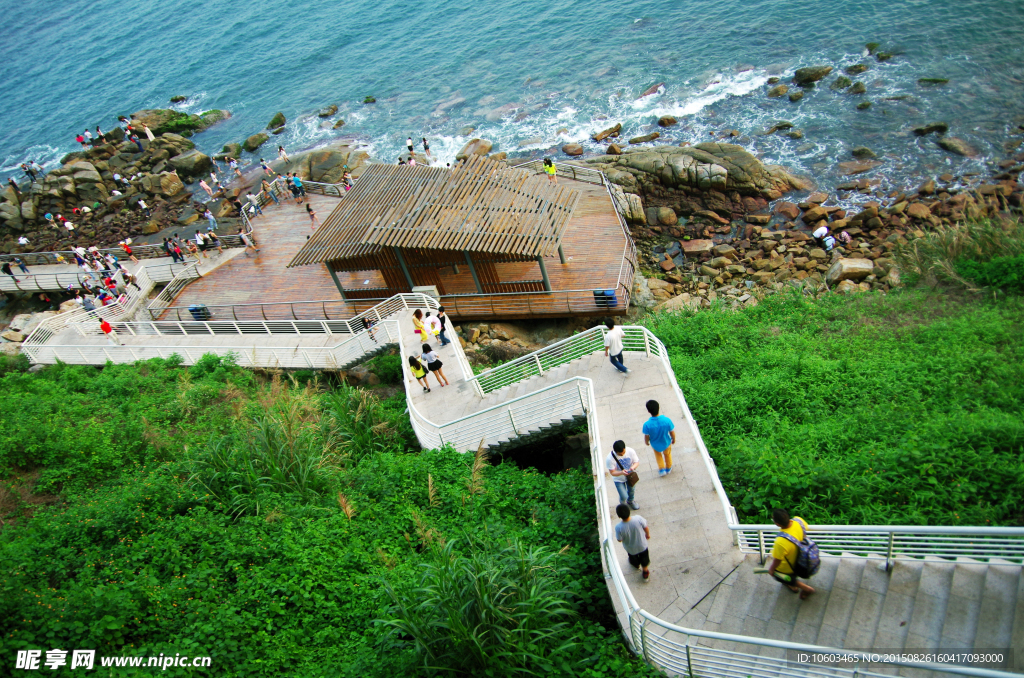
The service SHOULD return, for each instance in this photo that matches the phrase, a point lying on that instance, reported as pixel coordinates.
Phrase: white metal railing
(179, 328)
(678, 649)
(173, 288)
(267, 357)
(567, 170)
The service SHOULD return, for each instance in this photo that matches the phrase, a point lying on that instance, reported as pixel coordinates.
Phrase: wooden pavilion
(409, 223)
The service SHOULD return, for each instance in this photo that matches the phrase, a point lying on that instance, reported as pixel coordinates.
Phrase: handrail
(173, 288)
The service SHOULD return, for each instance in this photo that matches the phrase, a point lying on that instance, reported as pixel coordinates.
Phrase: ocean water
(528, 75)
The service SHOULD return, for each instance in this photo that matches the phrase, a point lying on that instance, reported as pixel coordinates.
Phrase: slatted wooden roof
(480, 205)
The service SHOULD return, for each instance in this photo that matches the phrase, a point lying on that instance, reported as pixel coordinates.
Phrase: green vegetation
(897, 409)
(283, 529)
(972, 255)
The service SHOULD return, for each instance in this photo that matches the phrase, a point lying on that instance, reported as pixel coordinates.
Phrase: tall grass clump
(498, 610)
(984, 253)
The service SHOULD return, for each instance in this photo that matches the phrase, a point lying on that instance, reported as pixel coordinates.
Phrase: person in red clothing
(109, 331)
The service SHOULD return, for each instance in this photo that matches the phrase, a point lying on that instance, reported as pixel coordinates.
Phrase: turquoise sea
(528, 75)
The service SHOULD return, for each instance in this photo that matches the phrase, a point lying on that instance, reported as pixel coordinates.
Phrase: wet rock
(645, 138)
(927, 188)
(842, 82)
(667, 216)
(855, 69)
(277, 121)
(932, 81)
(696, 246)
(795, 134)
(610, 132)
(862, 152)
(796, 96)
(872, 47)
(572, 149)
(925, 130)
(773, 80)
(234, 150)
(858, 166)
(666, 121)
(781, 125)
(957, 146)
(787, 210)
(327, 112)
(810, 75)
(255, 141)
(778, 91)
(884, 56)
(370, 100)
(192, 164)
(474, 147)
(178, 98)
(857, 88)
(613, 149)
(863, 106)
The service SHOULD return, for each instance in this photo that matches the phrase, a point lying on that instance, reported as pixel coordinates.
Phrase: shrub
(387, 367)
(999, 273)
(941, 255)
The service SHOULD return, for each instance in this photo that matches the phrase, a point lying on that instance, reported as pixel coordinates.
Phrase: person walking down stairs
(634, 533)
(621, 463)
(659, 434)
(794, 555)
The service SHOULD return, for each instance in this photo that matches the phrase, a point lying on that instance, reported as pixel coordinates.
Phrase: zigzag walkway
(704, 611)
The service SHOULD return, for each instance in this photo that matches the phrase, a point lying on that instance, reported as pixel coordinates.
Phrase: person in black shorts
(434, 364)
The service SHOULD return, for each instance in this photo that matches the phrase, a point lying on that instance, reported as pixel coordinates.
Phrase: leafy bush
(1000, 273)
(898, 409)
(387, 367)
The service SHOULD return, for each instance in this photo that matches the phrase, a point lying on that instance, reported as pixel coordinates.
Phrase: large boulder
(709, 166)
(572, 149)
(192, 163)
(328, 111)
(610, 132)
(255, 141)
(849, 269)
(474, 147)
(166, 183)
(164, 120)
(277, 121)
(810, 75)
(232, 149)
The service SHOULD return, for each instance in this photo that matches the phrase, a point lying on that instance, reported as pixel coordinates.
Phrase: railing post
(643, 637)
(760, 544)
(536, 359)
(689, 663)
(888, 554)
(647, 343)
(512, 419)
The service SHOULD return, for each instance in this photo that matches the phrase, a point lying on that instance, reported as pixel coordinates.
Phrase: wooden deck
(259, 286)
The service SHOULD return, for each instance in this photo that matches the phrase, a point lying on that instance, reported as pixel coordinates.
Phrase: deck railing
(173, 288)
(56, 282)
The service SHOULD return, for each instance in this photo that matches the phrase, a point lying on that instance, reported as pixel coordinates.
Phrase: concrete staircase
(920, 606)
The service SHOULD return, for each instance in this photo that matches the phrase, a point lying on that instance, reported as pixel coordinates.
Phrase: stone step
(812, 610)
(930, 602)
(964, 607)
(867, 608)
(897, 609)
(999, 605)
(841, 601)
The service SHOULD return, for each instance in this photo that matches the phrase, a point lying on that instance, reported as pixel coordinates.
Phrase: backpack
(807, 559)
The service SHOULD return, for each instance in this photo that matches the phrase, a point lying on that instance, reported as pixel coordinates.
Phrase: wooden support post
(544, 274)
(561, 254)
(472, 271)
(334, 277)
(405, 269)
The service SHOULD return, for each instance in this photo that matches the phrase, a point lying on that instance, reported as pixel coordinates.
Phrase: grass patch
(871, 409)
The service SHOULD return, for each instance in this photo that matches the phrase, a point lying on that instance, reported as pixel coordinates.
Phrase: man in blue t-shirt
(659, 433)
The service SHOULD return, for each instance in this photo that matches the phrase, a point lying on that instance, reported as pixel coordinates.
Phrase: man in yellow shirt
(784, 553)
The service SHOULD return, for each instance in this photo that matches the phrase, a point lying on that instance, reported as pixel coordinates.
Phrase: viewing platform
(521, 276)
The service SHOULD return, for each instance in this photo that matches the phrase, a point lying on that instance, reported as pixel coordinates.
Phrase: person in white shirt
(613, 345)
(620, 463)
(22, 240)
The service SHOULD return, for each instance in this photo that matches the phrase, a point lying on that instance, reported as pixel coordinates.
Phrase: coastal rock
(167, 121)
(717, 166)
(277, 121)
(666, 121)
(855, 69)
(796, 96)
(232, 149)
(842, 82)
(925, 130)
(811, 74)
(645, 138)
(778, 91)
(370, 100)
(695, 247)
(610, 132)
(279, 130)
(795, 134)
(667, 217)
(927, 188)
(957, 146)
(883, 56)
(653, 89)
(474, 147)
(166, 184)
(932, 81)
(338, 124)
(327, 112)
(858, 166)
(613, 149)
(178, 98)
(255, 141)
(862, 152)
(572, 149)
(857, 88)
(192, 163)
(788, 210)
(918, 210)
(864, 105)
(849, 269)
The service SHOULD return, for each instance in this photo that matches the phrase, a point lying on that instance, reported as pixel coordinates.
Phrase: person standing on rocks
(426, 148)
(613, 345)
(266, 168)
(138, 142)
(408, 143)
(17, 190)
(145, 208)
(620, 463)
(29, 172)
(634, 533)
(80, 139)
(660, 435)
(210, 218)
(206, 187)
(149, 132)
(281, 154)
(88, 136)
(549, 169)
(233, 164)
